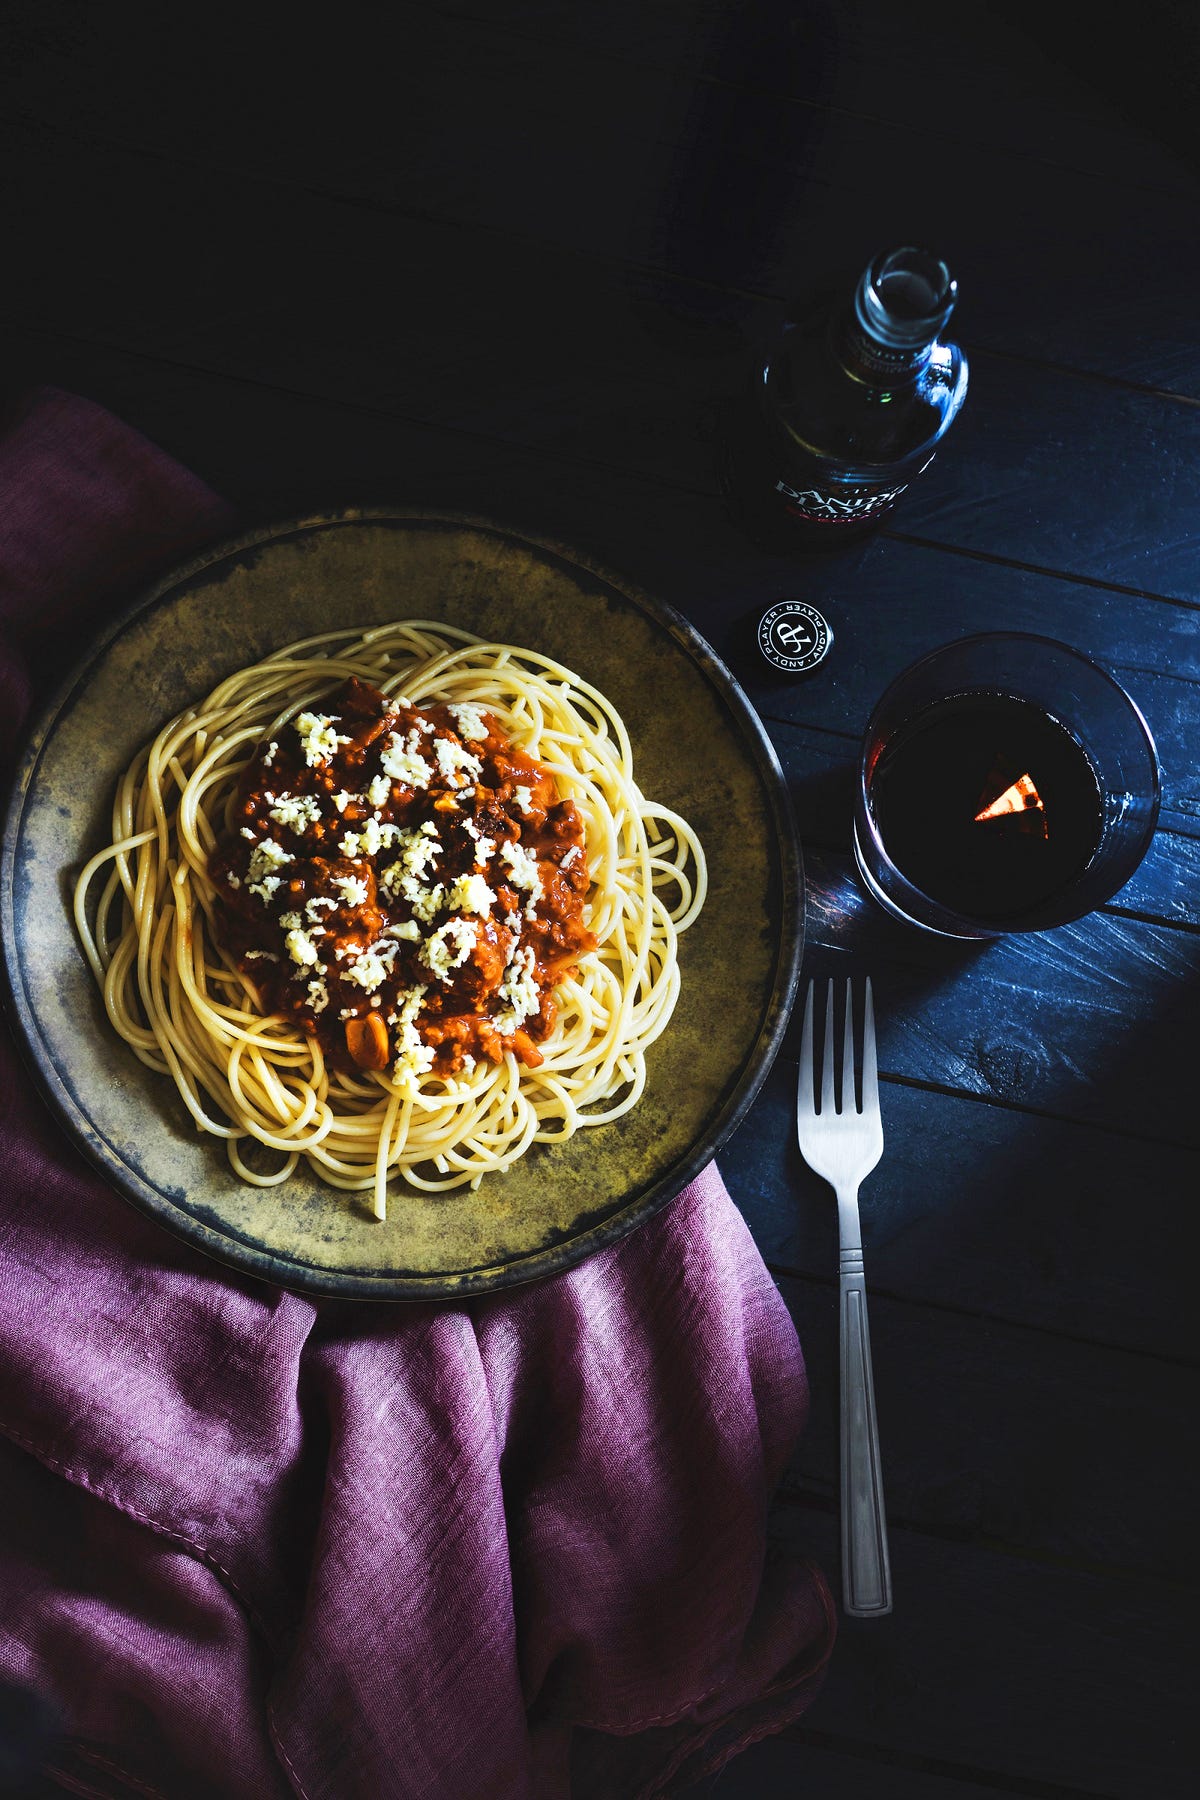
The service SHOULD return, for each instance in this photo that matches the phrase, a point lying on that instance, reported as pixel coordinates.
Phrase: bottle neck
(888, 333)
(877, 365)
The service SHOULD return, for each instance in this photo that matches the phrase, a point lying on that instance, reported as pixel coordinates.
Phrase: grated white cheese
(269, 758)
(485, 847)
(296, 812)
(346, 798)
(266, 857)
(470, 894)
(469, 720)
(267, 955)
(372, 966)
(426, 902)
(415, 1058)
(314, 907)
(451, 757)
(373, 838)
(301, 949)
(318, 739)
(291, 921)
(408, 929)
(318, 994)
(400, 761)
(248, 832)
(520, 992)
(523, 797)
(418, 851)
(379, 792)
(522, 868)
(436, 951)
(352, 888)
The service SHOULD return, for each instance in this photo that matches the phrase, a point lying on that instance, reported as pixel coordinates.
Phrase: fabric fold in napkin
(259, 1545)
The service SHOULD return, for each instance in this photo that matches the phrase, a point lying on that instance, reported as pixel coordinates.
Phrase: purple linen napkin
(256, 1545)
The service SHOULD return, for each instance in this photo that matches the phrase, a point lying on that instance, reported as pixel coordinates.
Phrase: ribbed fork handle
(866, 1571)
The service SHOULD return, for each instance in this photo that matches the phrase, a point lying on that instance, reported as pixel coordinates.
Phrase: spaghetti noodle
(392, 902)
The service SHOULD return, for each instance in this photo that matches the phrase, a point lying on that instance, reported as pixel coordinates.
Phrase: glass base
(970, 933)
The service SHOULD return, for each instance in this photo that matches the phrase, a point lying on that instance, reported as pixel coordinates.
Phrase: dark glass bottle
(851, 406)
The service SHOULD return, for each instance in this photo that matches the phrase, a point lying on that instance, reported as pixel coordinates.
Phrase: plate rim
(301, 1276)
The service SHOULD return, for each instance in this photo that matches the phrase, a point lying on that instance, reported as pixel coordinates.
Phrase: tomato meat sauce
(404, 882)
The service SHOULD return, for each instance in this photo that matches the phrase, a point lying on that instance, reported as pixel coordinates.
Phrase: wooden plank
(1046, 472)
(866, 59)
(1030, 1221)
(720, 181)
(890, 602)
(1008, 1669)
(641, 65)
(997, 1435)
(782, 1768)
(1156, 90)
(246, 296)
(1091, 1021)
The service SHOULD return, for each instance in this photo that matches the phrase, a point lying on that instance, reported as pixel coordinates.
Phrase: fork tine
(805, 1091)
(849, 1103)
(827, 1101)
(870, 1076)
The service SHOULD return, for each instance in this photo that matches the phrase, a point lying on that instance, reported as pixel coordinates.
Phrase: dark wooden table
(508, 258)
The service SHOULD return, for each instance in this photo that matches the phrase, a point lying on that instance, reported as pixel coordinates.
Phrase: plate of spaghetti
(397, 907)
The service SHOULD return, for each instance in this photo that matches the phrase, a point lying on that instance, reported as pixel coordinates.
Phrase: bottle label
(848, 507)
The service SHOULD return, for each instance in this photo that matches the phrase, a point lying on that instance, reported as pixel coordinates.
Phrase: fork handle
(866, 1572)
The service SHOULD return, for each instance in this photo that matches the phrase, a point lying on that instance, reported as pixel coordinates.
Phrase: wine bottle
(850, 407)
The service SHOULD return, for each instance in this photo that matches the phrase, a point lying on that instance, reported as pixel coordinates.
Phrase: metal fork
(843, 1146)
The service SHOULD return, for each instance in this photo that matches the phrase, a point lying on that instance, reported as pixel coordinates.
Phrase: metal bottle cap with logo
(794, 637)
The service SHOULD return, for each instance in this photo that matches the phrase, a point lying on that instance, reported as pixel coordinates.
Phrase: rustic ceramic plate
(697, 746)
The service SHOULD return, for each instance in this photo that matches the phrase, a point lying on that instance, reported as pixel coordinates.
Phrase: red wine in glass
(988, 804)
(1007, 783)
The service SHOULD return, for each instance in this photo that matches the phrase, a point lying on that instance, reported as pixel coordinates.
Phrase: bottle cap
(794, 637)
